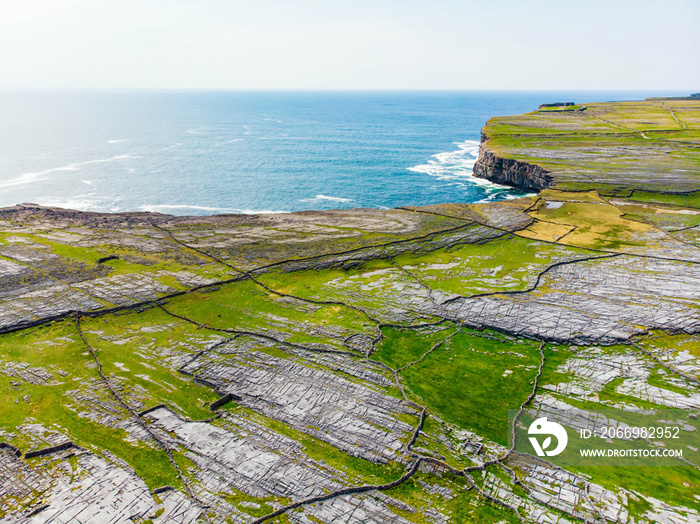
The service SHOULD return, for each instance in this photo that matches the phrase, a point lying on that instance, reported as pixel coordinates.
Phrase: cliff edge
(510, 172)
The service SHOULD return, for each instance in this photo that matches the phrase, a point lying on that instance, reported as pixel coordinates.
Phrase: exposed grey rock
(348, 509)
(250, 459)
(600, 301)
(97, 492)
(351, 416)
(19, 483)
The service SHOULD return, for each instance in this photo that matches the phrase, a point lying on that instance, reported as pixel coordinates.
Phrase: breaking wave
(169, 208)
(29, 178)
(457, 168)
(327, 198)
(81, 202)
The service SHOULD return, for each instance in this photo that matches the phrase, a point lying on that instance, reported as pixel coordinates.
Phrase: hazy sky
(351, 44)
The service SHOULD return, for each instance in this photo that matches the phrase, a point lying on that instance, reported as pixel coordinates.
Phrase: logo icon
(542, 426)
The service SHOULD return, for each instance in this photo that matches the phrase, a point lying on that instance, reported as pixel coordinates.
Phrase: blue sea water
(198, 153)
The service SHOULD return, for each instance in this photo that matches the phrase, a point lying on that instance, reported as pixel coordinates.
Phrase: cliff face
(510, 172)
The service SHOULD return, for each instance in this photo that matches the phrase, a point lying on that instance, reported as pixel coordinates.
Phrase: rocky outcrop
(510, 172)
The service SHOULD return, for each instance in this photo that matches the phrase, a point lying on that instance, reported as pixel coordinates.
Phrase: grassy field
(470, 380)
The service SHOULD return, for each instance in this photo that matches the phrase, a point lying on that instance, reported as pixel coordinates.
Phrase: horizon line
(346, 90)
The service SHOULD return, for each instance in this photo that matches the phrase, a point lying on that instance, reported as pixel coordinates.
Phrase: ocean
(210, 152)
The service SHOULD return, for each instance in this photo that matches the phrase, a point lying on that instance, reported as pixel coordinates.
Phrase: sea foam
(81, 202)
(29, 178)
(451, 165)
(169, 208)
(327, 198)
(457, 168)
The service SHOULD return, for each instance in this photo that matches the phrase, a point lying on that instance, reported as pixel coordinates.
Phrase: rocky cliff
(510, 172)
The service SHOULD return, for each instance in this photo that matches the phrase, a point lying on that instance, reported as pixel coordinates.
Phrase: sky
(351, 44)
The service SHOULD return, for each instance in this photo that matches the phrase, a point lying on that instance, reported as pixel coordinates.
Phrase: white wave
(325, 197)
(280, 137)
(333, 199)
(28, 178)
(457, 168)
(195, 131)
(451, 164)
(88, 182)
(83, 202)
(116, 141)
(234, 140)
(260, 211)
(164, 208)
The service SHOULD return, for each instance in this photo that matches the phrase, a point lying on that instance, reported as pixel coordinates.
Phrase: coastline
(350, 350)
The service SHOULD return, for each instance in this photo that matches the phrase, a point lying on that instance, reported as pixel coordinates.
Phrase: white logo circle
(542, 426)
